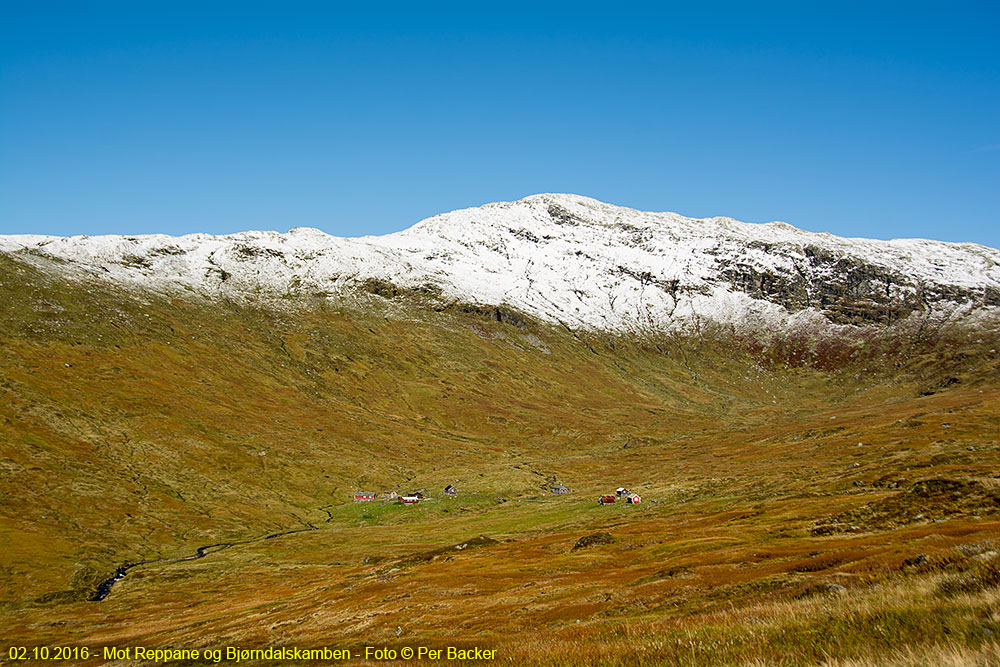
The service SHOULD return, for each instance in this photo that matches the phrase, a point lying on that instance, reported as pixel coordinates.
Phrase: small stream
(104, 589)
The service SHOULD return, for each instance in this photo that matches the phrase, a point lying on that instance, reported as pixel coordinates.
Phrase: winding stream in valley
(104, 588)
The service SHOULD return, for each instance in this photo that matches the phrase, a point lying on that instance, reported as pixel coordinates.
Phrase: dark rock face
(845, 289)
(502, 314)
(247, 253)
(561, 216)
(389, 290)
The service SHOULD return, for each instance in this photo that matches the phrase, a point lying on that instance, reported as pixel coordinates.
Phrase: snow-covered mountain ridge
(563, 258)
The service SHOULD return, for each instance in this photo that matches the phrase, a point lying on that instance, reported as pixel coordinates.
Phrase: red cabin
(607, 500)
(364, 496)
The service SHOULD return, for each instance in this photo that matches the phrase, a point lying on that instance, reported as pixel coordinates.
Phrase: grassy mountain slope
(136, 426)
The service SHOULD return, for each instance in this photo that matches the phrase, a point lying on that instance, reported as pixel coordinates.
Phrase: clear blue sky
(861, 119)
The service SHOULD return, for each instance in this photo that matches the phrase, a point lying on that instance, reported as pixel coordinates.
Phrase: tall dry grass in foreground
(900, 623)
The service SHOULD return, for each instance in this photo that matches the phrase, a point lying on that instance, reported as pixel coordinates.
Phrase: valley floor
(772, 558)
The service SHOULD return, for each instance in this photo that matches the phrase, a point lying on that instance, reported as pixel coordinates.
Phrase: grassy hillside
(805, 500)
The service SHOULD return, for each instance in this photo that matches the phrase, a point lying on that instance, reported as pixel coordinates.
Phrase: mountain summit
(563, 258)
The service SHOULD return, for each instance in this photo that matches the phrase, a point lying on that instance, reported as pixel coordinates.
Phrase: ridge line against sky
(859, 119)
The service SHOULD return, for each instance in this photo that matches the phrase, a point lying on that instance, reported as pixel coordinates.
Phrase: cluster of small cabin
(406, 499)
(450, 491)
(620, 492)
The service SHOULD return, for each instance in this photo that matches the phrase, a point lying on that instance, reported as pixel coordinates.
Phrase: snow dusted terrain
(563, 258)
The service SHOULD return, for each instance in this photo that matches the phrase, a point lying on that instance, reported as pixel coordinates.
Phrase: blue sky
(860, 119)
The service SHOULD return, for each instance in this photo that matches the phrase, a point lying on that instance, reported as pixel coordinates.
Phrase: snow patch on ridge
(557, 257)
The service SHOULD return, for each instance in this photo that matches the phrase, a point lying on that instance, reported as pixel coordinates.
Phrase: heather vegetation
(805, 501)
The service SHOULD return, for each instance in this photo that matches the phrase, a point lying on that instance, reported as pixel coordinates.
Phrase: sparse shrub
(677, 571)
(822, 589)
(983, 576)
(817, 564)
(975, 549)
(593, 540)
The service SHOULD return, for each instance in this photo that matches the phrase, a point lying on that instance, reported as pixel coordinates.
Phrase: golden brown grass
(136, 427)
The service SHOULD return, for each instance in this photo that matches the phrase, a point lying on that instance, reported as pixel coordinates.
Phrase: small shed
(364, 496)
(606, 499)
(634, 499)
(417, 494)
(389, 495)
(559, 488)
(409, 500)
(450, 491)
(621, 491)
